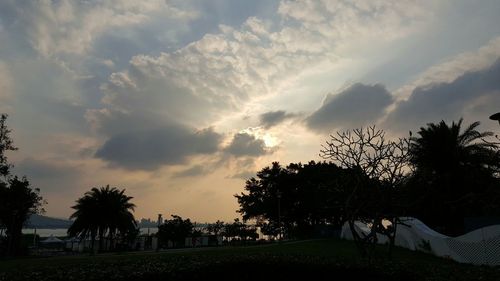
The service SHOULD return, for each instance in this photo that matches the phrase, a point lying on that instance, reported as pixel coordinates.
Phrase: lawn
(306, 260)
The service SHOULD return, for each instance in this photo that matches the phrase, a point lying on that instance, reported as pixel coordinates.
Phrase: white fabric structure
(51, 239)
(481, 246)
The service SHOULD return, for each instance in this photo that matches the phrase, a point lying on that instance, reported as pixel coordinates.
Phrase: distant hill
(38, 221)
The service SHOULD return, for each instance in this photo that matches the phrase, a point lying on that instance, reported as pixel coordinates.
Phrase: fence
(481, 246)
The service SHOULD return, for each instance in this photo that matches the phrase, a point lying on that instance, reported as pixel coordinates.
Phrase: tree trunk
(14, 234)
(101, 240)
(392, 237)
(357, 240)
(92, 242)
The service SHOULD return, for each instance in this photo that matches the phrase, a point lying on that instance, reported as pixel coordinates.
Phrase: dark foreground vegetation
(302, 260)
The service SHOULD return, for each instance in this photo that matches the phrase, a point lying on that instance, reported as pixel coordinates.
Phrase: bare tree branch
(368, 150)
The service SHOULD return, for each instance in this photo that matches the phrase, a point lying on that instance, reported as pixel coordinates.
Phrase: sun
(258, 133)
(269, 140)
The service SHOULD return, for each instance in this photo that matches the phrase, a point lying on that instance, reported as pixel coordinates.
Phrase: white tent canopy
(52, 239)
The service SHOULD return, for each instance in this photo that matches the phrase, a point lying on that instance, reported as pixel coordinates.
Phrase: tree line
(177, 229)
(441, 175)
(105, 215)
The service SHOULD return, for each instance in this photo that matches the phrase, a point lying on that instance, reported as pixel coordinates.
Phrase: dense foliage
(18, 200)
(103, 212)
(456, 176)
(297, 198)
(237, 230)
(175, 230)
(215, 228)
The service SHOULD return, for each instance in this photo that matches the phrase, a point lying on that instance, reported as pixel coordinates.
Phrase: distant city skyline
(180, 101)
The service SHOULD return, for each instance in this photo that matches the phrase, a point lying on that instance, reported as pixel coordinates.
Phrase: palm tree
(100, 212)
(86, 218)
(442, 148)
(452, 169)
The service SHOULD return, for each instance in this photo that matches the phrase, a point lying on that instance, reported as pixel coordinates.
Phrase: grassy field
(308, 260)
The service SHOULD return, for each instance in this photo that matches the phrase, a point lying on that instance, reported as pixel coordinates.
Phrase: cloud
(150, 149)
(239, 157)
(194, 171)
(245, 175)
(344, 19)
(244, 144)
(242, 168)
(149, 74)
(470, 93)
(46, 100)
(355, 106)
(149, 90)
(222, 72)
(5, 85)
(45, 169)
(225, 70)
(273, 118)
(454, 67)
(71, 27)
(48, 174)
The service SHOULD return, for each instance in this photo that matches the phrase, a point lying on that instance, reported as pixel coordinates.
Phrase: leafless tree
(383, 162)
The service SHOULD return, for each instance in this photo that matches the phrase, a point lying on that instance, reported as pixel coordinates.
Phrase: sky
(180, 101)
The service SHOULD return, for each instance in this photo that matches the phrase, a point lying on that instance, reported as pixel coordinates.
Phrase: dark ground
(301, 260)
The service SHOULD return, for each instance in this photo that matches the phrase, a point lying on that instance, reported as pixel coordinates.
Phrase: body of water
(60, 232)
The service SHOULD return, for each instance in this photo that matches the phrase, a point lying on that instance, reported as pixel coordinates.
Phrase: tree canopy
(456, 175)
(377, 167)
(175, 230)
(104, 211)
(6, 144)
(18, 200)
(298, 196)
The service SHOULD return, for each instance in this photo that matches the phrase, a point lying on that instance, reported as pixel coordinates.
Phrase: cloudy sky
(179, 101)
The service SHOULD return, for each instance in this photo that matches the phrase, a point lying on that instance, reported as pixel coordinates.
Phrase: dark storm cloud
(244, 144)
(273, 118)
(356, 106)
(150, 149)
(450, 101)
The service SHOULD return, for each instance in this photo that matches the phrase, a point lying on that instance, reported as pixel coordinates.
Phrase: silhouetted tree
(239, 230)
(233, 230)
(296, 198)
(455, 175)
(269, 229)
(18, 200)
(377, 168)
(175, 230)
(6, 144)
(318, 191)
(215, 228)
(102, 212)
(264, 194)
(86, 223)
(248, 233)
